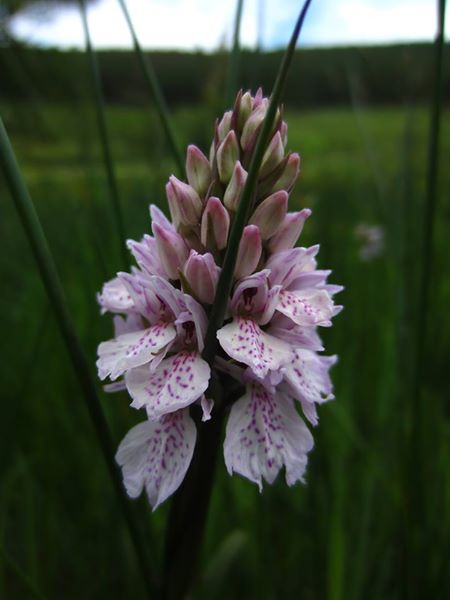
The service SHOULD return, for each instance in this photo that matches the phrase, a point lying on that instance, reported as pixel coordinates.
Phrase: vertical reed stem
(190, 505)
(47, 268)
(104, 137)
(155, 90)
(234, 57)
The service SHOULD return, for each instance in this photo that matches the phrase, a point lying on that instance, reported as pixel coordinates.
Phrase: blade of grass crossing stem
(234, 56)
(190, 504)
(243, 212)
(417, 471)
(104, 138)
(27, 584)
(155, 90)
(47, 268)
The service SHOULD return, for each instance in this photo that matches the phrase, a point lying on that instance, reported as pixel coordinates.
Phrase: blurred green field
(373, 520)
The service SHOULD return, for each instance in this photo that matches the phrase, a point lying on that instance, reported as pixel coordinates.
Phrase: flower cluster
(269, 343)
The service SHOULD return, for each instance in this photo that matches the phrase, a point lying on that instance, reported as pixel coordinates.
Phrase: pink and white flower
(269, 343)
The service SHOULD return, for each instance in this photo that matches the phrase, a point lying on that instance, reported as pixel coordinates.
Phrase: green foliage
(343, 535)
(385, 75)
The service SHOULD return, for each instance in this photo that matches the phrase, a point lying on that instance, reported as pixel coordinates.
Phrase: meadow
(373, 520)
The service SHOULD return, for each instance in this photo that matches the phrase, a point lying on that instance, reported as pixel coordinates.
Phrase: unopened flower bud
(224, 126)
(172, 250)
(227, 155)
(270, 214)
(198, 170)
(289, 175)
(234, 189)
(272, 156)
(245, 109)
(215, 225)
(251, 127)
(202, 275)
(249, 253)
(284, 133)
(289, 231)
(184, 202)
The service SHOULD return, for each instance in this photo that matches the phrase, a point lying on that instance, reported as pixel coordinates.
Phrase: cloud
(206, 24)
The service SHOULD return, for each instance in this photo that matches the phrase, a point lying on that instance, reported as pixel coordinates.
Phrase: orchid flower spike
(269, 343)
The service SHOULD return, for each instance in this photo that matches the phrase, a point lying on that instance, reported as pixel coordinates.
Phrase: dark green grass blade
(233, 66)
(104, 137)
(422, 415)
(47, 268)
(26, 583)
(243, 212)
(190, 505)
(155, 90)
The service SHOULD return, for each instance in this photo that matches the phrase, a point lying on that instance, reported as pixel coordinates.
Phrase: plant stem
(234, 57)
(104, 137)
(417, 469)
(190, 505)
(47, 268)
(155, 90)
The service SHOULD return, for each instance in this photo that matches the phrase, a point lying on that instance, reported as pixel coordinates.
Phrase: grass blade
(104, 137)
(155, 90)
(243, 212)
(47, 268)
(234, 57)
(190, 505)
(26, 582)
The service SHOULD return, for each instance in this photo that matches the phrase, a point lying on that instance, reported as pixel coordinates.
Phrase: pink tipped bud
(215, 225)
(273, 155)
(289, 175)
(172, 250)
(270, 214)
(227, 155)
(198, 170)
(249, 253)
(202, 275)
(233, 192)
(289, 232)
(245, 109)
(224, 126)
(252, 126)
(184, 203)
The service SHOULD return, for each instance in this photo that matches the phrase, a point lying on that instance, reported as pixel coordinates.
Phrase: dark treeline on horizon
(394, 74)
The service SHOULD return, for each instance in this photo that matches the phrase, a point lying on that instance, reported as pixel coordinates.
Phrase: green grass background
(373, 520)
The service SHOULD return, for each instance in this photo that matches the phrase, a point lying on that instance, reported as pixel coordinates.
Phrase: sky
(207, 24)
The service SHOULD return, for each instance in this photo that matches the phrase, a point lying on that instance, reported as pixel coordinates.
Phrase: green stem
(234, 56)
(190, 505)
(53, 287)
(104, 137)
(153, 85)
(27, 583)
(243, 212)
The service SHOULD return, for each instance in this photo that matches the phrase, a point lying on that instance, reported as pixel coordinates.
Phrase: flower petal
(115, 297)
(264, 432)
(243, 340)
(309, 307)
(156, 455)
(177, 382)
(309, 381)
(133, 349)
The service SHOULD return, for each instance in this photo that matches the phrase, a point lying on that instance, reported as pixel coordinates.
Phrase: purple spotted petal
(307, 308)
(309, 381)
(133, 349)
(177, 382)
(115, 297)
(264, 432)
(156, 455)
(243, 340)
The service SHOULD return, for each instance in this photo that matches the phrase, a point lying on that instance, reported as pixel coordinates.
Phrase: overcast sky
(206, 24)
